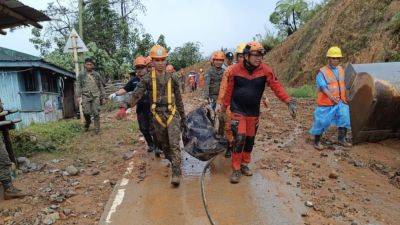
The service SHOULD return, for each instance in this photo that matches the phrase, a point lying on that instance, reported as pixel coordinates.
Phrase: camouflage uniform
(90, 87)
(213, 79)
(168, 137)
(182, 82)
(5, 162)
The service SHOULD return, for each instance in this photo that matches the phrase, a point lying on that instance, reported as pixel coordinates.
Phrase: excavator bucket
(373, 91)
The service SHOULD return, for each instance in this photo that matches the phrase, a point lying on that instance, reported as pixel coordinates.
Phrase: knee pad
(248, 147)
(239, 143)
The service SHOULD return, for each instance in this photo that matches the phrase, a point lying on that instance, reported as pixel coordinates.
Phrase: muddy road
(340, 186)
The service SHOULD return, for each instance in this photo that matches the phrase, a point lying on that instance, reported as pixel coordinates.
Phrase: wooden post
(80, 32)
(76, 61)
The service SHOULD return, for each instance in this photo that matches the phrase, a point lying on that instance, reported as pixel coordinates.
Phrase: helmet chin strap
(249, 67)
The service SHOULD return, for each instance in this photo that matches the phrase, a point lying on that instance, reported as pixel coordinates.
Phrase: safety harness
(171, 107)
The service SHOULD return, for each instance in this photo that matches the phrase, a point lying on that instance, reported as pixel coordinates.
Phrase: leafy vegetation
(112, 33)
(305, 91)
(185, 56)
(290, 15)
(51, 136)
(269, 40)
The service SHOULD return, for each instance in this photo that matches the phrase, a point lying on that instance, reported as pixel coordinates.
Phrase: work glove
(112, 96)
(292, 108)
(129, 111)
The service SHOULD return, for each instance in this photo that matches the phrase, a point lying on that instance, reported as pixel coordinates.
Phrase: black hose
(203, 194)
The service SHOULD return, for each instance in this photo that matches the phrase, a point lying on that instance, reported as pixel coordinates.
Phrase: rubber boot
(176, 176)
(342, 133)
(97, 124)
(235, 177)
(317, 143)
(228, 152)
(88, 121)
(246, 170)
(12, 193)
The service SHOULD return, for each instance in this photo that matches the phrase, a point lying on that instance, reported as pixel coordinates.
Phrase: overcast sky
(213, 23)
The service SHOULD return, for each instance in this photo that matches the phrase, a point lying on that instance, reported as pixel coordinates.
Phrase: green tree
(186, 55)
(103, 24)
(144, 44)
(161, 41)
(289, 15)
(58, 58)
(112, 36)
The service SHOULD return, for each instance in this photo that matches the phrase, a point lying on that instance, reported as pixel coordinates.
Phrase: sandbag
(201, 141)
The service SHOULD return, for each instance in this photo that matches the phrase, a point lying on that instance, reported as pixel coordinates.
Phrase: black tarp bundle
(201, 141)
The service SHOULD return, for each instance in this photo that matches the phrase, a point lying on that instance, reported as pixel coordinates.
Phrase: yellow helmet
(240, 48)
(158, 52)
(334, 52)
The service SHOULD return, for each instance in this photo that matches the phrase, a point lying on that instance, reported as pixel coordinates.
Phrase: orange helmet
(170, 69)
(218, 55)
(254, 46)
(140, 61)
(158, 52)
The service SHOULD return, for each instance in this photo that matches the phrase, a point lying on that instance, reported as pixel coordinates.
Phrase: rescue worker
(182, 81)
(213, 81)
(192, 81)
(228, 60)
(213, 77)
(170, 69)
(90, 91)
(332, 104)
(221, 95)
(167, 108)
(10, 192)
(143, 111)
(246, 84)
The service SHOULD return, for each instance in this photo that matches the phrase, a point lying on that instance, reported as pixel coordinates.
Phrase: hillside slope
(367, 31)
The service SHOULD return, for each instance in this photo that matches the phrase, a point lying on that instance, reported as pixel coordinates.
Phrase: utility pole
(80, 28)
(81, 18)
(76, 46)
(75, 53)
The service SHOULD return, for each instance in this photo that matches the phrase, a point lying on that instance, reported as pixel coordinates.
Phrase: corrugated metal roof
(11, 55)
(13, 13)
(12, 59)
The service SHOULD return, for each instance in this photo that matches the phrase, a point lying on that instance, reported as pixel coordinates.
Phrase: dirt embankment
(367, 31)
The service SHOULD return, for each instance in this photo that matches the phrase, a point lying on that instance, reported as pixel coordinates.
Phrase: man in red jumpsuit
(246, 84)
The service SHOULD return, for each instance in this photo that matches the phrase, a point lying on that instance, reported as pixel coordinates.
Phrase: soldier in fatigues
(182, 81)
(91, 91)
(167, 108)
(10, 191)
(213, 80)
